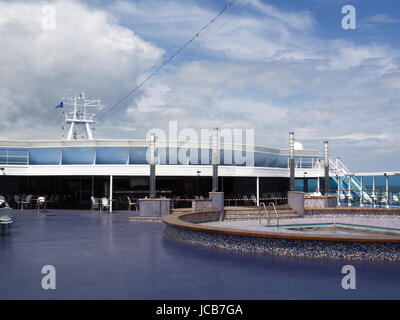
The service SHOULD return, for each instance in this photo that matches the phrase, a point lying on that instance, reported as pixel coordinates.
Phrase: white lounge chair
(95, 204)
(26, 202)
(131, 203)
(17, 200)
(105, 203)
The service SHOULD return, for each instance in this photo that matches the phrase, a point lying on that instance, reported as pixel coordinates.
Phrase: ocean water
(380, 184)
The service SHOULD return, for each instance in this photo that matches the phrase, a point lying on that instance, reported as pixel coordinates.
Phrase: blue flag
(61, 105)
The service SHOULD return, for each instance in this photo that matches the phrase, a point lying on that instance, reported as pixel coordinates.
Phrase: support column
(291, 161)
(326, 165)
(217, 203)
(111, 192)
(373, 192)
(258, 190)
(338, 190)
(387, 190)
(361, 194)
(215, 159)
(152, 167)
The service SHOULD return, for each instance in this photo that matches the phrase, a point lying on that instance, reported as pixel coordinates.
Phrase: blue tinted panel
(260, 159)
(44, 155)
(138, 155)
(283, 161)
(75, 155)
(112, 155)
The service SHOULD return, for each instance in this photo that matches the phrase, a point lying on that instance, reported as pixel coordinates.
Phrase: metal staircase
(338, 170)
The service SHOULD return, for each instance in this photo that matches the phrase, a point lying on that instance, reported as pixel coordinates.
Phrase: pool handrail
(276, 213)
(267, 214)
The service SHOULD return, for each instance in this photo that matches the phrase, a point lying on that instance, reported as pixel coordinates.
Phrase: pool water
(102, 256)
(343, 229)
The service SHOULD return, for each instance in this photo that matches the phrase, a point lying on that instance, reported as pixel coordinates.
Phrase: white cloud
(88, 50)
(379, 18)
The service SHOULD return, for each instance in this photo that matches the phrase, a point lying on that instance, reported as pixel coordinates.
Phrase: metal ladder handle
(267, 214)
(276, 213)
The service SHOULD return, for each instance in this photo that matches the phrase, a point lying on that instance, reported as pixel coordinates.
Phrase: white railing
(88, 117)
(14, 157)
(348, 182)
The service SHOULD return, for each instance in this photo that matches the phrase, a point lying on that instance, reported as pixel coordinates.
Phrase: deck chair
(130, 203)
(105, 203)
(95, 204)
(27, 202)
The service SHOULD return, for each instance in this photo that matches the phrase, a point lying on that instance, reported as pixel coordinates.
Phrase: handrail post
(276, 213)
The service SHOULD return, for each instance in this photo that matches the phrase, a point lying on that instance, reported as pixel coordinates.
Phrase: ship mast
(79, 116)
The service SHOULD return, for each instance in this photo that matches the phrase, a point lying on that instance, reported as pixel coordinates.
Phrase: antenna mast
(79, 116)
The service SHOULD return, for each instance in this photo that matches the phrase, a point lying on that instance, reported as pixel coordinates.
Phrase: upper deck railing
(14, 157)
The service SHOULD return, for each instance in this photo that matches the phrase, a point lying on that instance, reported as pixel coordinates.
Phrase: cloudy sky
(274, 66)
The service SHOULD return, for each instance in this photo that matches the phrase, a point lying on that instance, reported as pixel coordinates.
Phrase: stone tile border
(185, 227)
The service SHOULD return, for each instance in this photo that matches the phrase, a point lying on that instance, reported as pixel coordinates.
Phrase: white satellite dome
(298, 146)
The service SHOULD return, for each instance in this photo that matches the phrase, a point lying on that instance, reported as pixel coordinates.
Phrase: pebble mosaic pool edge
(305, 248)
(289, 247)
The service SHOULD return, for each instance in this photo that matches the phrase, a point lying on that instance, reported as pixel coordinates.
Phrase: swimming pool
(342, 229)
(102, 256)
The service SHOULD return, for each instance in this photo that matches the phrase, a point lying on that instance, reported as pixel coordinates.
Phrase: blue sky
(273, 66)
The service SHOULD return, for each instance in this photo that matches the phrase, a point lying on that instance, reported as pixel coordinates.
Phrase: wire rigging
(160, 67)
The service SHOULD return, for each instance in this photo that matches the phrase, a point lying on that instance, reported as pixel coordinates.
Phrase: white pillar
(387, 190)
(349, 194)
(291, 162)
(111, 192)
(258, 191)
(215, 159)
(361, 195)
(373, 191)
